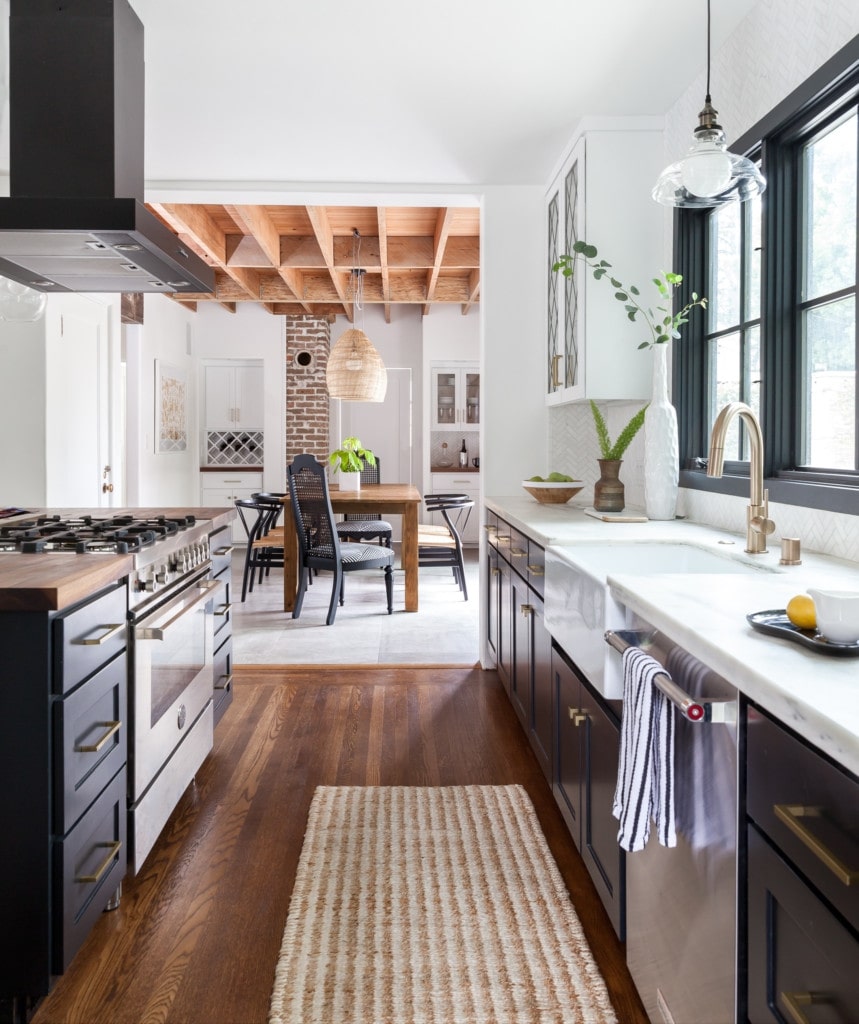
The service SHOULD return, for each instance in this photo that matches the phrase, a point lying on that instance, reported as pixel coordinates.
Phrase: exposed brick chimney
(308, 339)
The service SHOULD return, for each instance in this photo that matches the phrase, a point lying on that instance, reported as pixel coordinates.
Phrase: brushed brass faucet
(758, 523)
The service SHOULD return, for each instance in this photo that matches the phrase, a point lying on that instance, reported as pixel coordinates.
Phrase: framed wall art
(171, 408)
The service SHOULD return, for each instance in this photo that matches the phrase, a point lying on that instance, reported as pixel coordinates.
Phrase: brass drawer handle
(526, 610)
(224, 609)
(496, 571)
(96, 641)
(794, 1000)
(225, 685)
(791, 815)
(225, 551)
(556, 380)
(490, 528)
(93, 748)
(104, 867)
(577, 716)
(536, 570)
(518, 552)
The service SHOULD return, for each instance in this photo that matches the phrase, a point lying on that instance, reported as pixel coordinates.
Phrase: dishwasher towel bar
(693, 710)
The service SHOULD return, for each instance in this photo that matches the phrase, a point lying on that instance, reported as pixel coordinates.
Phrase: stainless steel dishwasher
(681, 911)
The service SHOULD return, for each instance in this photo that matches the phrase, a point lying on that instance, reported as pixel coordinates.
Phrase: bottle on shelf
(463, 454)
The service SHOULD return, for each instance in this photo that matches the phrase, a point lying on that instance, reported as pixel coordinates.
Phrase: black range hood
(75, 220)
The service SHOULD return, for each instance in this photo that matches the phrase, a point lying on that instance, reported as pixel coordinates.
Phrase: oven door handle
(691, 709)
(207, 591)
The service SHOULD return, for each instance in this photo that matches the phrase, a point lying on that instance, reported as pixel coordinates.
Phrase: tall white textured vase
(661, 459)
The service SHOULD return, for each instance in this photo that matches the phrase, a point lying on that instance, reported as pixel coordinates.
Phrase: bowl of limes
(555, 489)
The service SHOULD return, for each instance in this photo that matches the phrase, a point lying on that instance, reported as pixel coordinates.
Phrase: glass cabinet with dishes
(455, 396)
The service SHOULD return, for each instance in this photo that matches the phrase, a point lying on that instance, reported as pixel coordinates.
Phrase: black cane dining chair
(441, 544)
(363, 528)
(259, 515)
(319, 546)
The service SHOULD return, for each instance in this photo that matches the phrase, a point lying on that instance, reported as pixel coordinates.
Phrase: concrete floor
(443, 632)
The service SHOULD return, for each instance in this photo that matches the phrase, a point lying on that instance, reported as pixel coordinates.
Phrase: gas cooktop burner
(121, 535)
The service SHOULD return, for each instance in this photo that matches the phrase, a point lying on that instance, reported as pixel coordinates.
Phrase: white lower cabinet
(223, 489)
(459, 483)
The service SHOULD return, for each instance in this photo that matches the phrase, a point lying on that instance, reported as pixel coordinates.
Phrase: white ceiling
(453, 93)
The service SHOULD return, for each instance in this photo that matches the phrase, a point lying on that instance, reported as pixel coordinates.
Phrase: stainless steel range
(170, 644)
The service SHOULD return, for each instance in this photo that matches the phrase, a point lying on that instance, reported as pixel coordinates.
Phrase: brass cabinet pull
(490, 527)
(496, 571)
(536, 570)
(573, 712)
(223, 609)
(791, 815)
(225, 551)
(518, 552)
(556, 380)
(526, 610)
(93, 748)
(113, 630)
(225, 685)
(103, 868)
(793, 1002)
(578, 719)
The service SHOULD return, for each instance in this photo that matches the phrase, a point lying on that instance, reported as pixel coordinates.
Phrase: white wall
(22, 414)
(159, 478)
(512, 298)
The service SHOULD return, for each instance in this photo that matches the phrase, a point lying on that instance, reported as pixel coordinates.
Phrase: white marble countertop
(817, 695)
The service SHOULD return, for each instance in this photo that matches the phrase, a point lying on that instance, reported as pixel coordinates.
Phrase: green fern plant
(615, 451)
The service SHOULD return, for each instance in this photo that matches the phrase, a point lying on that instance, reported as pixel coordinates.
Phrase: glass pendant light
(355, 371)
(709, 175)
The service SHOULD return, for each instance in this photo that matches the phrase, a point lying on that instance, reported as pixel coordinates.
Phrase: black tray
(776, 623)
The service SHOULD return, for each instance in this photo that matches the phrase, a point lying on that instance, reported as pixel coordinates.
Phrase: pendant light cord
(708, 51)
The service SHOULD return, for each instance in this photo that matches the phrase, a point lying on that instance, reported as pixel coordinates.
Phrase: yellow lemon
(800, 611)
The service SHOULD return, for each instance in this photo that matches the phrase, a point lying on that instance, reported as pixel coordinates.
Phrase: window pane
(753, 259)
(726, 365)
(753, 379)
(830, 194)
(830, 353)
(725, 267)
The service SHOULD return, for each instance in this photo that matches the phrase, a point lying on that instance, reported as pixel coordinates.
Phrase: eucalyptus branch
(663, 324)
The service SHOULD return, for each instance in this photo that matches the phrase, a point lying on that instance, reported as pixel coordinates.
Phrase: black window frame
(776, 141)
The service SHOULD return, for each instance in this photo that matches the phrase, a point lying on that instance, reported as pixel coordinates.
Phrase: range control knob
(162, 575)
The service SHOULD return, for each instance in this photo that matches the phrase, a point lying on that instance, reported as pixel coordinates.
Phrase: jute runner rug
(432, 906)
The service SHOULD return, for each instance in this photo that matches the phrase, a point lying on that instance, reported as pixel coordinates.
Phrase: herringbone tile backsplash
(573, 450)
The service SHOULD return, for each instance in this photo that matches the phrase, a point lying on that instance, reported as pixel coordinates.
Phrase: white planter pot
(660, 444)
(350, 481)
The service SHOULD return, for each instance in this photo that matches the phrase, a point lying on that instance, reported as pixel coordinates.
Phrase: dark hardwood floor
(196, 937)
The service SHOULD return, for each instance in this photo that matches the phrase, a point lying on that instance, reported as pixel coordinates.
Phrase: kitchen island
(99, 733)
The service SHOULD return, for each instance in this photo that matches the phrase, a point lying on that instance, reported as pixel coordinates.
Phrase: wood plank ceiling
(300, 259)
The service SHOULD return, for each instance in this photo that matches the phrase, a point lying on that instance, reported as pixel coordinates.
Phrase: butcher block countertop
(55, 580)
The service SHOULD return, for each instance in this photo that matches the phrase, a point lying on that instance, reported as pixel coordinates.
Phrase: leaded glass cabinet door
(564, 307)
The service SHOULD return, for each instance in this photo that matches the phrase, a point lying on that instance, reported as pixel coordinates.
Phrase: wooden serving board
(616, 517)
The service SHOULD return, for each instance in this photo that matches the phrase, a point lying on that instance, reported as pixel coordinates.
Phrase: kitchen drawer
(490, 528)
(517, 553)
(88, 637)
(223, 676)
(809, 808)
(503, 537)
(536, 566)
(802, 960)
(221, 549)
(89, 865)
(90, 741)
(223, 609)
(232, 481)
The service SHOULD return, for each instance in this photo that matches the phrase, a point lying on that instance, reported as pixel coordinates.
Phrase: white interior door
(78, 404)
(386, 429)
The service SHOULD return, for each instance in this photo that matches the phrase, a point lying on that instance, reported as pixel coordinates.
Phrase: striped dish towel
(645, 777)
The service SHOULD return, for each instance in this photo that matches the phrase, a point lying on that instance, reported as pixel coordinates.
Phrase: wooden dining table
(379, 499)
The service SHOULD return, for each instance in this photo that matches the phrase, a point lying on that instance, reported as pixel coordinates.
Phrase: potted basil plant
(349, 460)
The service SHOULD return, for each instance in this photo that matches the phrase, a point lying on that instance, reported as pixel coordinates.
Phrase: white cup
(837, 614)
